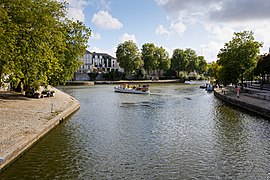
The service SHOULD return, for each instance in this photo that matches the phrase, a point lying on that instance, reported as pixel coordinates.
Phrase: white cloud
(95, 36)
(178, 27)
(105, 4)
(222, 10)
(105, 21)
(210, 50)
(161, 30)
(77, 3)
(219, 32)
(76, 14)
(241, 10)
(75, 9)
(175, 27)
(169, 50)
(190, 6)
(127, 37)
(220, 20)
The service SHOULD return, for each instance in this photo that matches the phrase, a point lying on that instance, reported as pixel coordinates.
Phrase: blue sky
(203, 25)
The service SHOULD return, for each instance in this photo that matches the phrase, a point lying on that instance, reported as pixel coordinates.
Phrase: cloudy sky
(203, 25)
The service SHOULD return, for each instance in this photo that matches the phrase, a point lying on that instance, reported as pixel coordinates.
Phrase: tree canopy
(179, 60)
(129, 57)
(263, 67)
(148, 51)
(163, 59)
(38, 43)
(237, 57)
(192, 60)
(213, 70)
(188, 61)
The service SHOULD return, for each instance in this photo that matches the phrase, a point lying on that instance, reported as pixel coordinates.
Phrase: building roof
(87, 52)
(103, 54)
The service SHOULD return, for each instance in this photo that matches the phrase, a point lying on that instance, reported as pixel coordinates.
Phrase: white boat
(132, 89)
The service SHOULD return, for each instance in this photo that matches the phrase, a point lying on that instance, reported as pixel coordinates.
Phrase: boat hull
(130, 91)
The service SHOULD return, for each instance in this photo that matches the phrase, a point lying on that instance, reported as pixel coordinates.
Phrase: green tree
(192, 60)
(129, 57)
(40, 44)
(202, 65)
(213, 70)
(76, 38)
(148, 51)
(162, 57)
(237, 57)
(179, 61)
(263, 67)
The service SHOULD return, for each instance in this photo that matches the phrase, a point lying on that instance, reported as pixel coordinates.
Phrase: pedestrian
(237, 91)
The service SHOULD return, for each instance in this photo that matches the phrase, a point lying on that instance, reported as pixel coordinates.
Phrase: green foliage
(148, 51)
(140, 74)
(179, 60)
(38, 43)
(155, 58)
(263, 65)
(188, 61)
(183, 76)
(202, 65)
(163, 60)
(238, 56)
(113, 76)
(213, 70)
(129, 57)
(191, 59)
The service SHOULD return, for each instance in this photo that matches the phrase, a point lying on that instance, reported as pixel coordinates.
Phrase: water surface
(177, 132)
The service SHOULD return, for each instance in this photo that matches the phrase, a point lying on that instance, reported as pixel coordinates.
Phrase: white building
(98, 62)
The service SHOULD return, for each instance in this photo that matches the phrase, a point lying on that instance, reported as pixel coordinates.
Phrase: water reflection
(178, 132)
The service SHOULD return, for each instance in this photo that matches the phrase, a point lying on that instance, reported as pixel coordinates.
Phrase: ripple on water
(178, 132)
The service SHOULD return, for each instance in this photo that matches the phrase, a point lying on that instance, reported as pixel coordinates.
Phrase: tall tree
(162, 57)
(237, 57)
(263, 67)
(179, 61)
(129, 57)
(202, 65)
(191, 59)
(40, 44)
(148, 51)
(213, 70)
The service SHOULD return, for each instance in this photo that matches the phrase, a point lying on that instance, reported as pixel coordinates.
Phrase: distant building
(96, 62)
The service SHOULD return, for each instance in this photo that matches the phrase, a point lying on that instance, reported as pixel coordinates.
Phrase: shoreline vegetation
(24, 121)
(123, 82)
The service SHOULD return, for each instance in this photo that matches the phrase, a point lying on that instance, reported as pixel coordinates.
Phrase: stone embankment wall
(243, 104)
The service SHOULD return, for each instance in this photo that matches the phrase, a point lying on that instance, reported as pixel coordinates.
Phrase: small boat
(209, 88)
(132, 89)
(203, 86)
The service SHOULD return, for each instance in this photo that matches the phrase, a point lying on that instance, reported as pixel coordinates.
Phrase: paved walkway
(247, 98)
(24, 120)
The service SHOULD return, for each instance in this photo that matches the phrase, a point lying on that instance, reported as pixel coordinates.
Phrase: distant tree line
(155, 61)
(238, 61)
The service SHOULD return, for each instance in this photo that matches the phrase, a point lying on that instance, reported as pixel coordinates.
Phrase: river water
(177, 132)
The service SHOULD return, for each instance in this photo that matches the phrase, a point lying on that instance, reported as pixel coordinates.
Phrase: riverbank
(139, 81)
(246, 100)
(24, 121)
